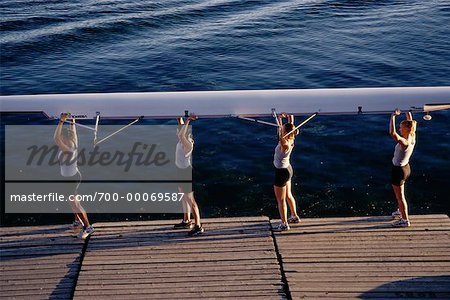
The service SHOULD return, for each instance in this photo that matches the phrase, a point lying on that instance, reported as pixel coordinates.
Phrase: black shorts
(71, 184)
(282, 176)
(399, 175)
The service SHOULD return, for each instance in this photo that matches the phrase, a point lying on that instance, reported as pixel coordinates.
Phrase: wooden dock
(365, 258)
(38, 262)
(332, 258)
(235, 258)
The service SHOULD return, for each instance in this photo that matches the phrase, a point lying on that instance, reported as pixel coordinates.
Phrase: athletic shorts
(71, 184)
(282, 176)
(400, 175)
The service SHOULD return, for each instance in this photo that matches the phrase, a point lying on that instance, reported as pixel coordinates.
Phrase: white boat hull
(228, 103)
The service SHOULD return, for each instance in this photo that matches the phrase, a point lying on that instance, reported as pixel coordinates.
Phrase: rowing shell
(231, 103)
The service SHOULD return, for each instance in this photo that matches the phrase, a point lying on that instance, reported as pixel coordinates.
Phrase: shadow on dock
(428, 287)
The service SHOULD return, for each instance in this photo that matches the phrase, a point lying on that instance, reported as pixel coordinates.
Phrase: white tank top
(183, 160)
(281, 160)
(401, 157)
(69, 167)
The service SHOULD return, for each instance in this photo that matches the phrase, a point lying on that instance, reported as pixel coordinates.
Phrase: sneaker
(76, 225)
(283, 227)
(401, 223)
(396, 214)
(294, 220)
(184, 225)
(196, 230)
(85, 232)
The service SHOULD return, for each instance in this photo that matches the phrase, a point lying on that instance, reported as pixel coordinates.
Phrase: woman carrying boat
(283, 171)
(183, 160)
(67, 142)
(401, 170)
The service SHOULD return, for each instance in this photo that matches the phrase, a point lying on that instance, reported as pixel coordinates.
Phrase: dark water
(342, 164)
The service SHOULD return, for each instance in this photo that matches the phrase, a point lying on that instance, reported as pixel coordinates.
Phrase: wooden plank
(256, 254)
(182, 242)
(38, 262)
(370, 295)
(210, 279)
(181, 233)
(177, 294)
(332, 250)
(233, 258)
(37, 252)
(181, 251)
(210, 296)
(132, 273)
(151, 289)
(182, 238)
(144, 227)
(368, 218)
(368, 245)
(383, 236)
(360, 278)
(385, 231)
(436, 287)
(13, 230)
(151, 260)
(365, 257)
(363, 276)
(172, 222)
(444, 253)
(7, 276)
(365, 222)
(67, 285)
(42, 293)
(189, 285)
(376, 265)
(366, 226)
(162, 266)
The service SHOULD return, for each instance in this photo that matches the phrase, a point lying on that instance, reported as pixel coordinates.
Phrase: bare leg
(79, 211)
(193, 205)
(280, 194)
(186, 217)
(290, 199)
(77, 218)
(401, 200)
(186, 206)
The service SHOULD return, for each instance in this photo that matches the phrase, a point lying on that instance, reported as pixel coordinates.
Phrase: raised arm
(183, 131)
(58, 130)
(409, 116)
(58, 136)
(291, 119)
(280, 118)
(282, 140)
(73, 127)
(182, 134)
(395, 136)
(280, 123)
